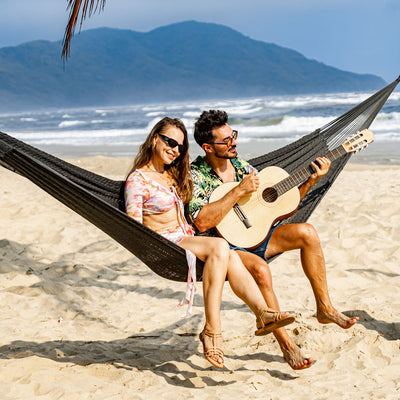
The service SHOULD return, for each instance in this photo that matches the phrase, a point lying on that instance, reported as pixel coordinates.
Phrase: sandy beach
(82, 318)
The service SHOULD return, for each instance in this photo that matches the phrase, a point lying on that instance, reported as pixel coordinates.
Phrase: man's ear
(207, 147)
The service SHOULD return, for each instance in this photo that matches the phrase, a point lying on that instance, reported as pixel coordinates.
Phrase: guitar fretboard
(300, 176)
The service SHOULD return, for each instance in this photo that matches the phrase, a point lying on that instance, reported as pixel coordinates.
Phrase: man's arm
(212, 213)
(320, 170)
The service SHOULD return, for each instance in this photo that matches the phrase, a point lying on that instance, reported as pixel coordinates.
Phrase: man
(220, 165)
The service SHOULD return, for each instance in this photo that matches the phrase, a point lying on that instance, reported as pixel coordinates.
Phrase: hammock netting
(100, 200)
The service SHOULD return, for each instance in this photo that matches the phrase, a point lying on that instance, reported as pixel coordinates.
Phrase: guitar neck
(300, 176)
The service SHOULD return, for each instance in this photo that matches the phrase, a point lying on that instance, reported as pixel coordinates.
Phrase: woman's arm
(134, 196)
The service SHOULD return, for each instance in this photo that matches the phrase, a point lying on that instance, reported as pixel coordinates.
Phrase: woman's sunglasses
(230, 139)
(173, 143)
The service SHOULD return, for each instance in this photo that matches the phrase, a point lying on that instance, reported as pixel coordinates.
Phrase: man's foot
(336, 317)
(295, 358)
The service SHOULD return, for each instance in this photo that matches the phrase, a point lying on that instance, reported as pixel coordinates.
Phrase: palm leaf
(84, 8)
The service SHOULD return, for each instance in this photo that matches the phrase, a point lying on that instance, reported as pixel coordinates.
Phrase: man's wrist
(237, 191)
(308, 184)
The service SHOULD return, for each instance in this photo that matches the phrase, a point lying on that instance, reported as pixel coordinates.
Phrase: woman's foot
(269, 320)
(213, 353)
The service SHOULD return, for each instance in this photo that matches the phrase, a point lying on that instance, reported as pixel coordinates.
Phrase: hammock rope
(100, 200)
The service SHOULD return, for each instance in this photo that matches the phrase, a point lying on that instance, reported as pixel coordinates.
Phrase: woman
(157, 185)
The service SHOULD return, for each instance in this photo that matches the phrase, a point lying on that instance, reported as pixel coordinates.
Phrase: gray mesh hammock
(100, 200)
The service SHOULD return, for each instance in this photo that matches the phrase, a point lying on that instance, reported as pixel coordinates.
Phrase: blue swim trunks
(262, 248)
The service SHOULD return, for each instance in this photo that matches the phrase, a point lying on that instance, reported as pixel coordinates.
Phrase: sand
(82, 318)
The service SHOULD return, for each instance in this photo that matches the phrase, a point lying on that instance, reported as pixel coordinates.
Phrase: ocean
(264, 124)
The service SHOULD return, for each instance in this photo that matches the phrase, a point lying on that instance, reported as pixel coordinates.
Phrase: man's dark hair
(205, 124)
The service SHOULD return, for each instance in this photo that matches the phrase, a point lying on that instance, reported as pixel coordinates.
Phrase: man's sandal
(278, 321)
(214, 350)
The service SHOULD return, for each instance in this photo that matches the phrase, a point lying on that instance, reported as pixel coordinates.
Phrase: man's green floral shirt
(205, 180)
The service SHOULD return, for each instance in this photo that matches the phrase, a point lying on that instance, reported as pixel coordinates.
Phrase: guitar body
(260, 213)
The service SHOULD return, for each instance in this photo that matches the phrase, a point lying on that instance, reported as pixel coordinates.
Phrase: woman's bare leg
(215, 254)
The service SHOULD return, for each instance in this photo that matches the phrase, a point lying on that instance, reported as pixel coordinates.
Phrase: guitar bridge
(241, 216)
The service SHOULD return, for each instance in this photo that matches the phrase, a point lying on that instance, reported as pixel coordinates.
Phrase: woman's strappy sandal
(278, 321)
(213, 350)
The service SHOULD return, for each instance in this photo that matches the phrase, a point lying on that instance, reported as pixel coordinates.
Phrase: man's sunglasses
(173, 143)
(230, 139)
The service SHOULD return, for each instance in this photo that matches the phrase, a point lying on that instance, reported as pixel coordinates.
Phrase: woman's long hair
(180, 168)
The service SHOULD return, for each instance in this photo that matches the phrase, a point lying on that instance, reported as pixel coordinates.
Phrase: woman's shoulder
(136, 175)
(137, 181)
(138, 185)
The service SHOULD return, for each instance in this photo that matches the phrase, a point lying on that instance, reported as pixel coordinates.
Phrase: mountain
(188, 60)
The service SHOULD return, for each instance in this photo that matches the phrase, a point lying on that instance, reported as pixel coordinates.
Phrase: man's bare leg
(261, 273)
(304, 237)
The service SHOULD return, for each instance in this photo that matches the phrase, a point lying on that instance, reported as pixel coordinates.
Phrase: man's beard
(227, 155)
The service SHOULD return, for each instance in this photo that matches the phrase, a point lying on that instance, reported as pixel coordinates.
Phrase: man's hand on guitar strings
(249, 184)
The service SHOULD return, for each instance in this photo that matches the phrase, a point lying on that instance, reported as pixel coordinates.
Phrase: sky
(354, 35)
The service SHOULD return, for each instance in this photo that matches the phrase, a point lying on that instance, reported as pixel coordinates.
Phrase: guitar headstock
(358, 141)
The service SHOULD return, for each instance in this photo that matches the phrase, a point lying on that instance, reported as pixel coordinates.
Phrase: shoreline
(117, 167)
(377, 153)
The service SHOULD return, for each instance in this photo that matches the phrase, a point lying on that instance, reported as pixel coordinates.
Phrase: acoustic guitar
(248, 223)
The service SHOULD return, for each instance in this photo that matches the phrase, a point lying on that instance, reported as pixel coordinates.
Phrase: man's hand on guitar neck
(321, 166)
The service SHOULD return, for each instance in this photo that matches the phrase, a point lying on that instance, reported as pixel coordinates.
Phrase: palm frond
(84, 8)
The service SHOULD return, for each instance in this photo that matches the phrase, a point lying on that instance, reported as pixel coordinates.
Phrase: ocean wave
(150, 108)
(191, 114)
(68, 124)
(288, 125)
(266, 119)
(386, 122)
(388, 137)
(155, 113)
(103, 113)
(75, 135)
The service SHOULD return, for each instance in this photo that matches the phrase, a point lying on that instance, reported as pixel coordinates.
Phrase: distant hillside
(187, 60)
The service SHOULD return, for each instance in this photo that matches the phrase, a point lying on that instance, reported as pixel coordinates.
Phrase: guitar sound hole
(270, 195)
